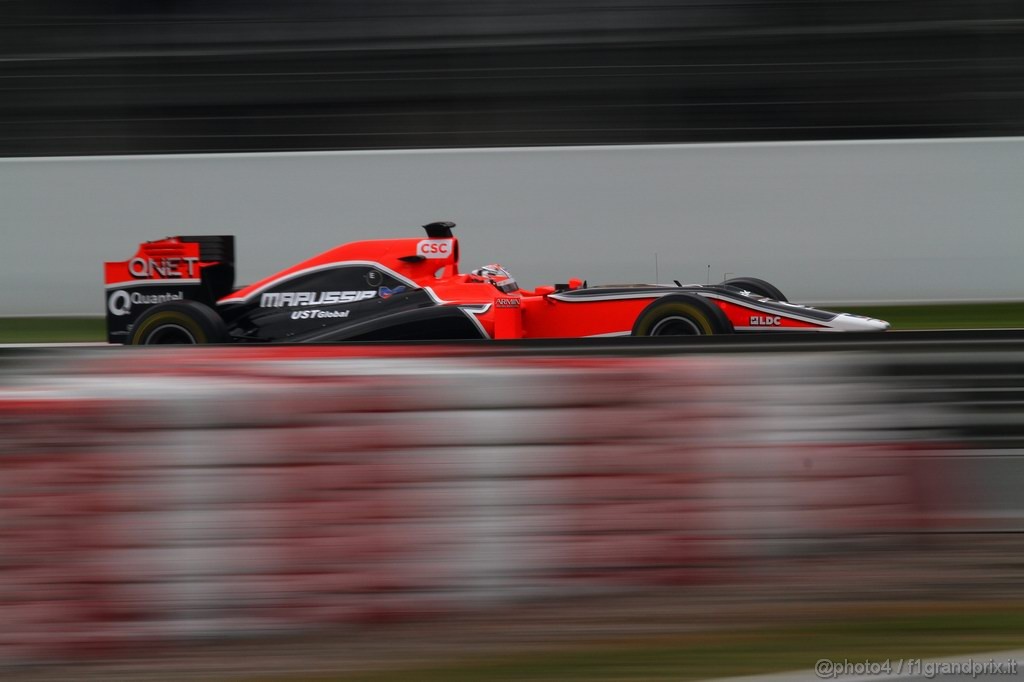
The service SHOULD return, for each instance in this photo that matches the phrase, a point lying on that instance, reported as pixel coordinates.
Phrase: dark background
(125, 77)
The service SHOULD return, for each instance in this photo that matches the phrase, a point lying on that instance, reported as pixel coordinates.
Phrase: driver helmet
(498, 276)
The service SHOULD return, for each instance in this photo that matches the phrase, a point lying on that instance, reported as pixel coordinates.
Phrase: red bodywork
(432, 264)
(201, 269)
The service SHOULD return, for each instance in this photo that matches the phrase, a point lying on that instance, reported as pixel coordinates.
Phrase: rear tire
(682, 315)
(178, 323)
(757, 286)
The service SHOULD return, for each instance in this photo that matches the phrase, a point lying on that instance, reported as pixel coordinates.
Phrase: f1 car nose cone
(855, 323)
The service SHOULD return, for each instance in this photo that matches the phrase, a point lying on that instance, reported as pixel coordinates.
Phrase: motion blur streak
(175, 496)
(102, 77)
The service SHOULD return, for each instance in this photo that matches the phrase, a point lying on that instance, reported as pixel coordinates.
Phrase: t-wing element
(439, 230)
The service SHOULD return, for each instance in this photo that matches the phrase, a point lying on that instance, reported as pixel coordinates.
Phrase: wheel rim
(676, 326)
(170, 334)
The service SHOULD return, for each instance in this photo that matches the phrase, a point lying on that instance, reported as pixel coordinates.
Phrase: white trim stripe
(471, 315)
(434, 297)
(792, 314)
(483, 307)
(316, 268)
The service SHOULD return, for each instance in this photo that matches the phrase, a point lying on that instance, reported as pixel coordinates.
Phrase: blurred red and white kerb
(171, 495)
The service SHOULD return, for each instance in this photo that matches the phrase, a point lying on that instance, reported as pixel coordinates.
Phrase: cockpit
(497, 276)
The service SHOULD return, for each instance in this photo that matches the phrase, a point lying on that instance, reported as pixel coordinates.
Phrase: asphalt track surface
(901, 343)
(904, 341)
(985, 344)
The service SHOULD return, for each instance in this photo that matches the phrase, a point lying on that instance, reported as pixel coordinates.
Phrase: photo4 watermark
(828, 669)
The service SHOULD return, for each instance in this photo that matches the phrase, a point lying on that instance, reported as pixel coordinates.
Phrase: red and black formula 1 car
(181, 290)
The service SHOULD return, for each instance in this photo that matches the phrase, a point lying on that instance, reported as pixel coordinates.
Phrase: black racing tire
(178, 322)
(681, 315)
(757, 286)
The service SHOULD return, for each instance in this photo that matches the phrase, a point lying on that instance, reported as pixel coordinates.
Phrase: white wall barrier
(867, 220)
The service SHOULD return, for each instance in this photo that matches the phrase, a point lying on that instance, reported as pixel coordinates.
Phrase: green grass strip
(944, 315)
(52, 329)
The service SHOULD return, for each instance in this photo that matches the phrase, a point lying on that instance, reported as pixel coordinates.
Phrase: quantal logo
(121, 302)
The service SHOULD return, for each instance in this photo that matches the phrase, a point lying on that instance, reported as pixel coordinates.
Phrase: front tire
(178, 323)
(682, 315)
(758, 287)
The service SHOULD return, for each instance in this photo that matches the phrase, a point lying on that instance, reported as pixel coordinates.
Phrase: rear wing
(196, 268)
